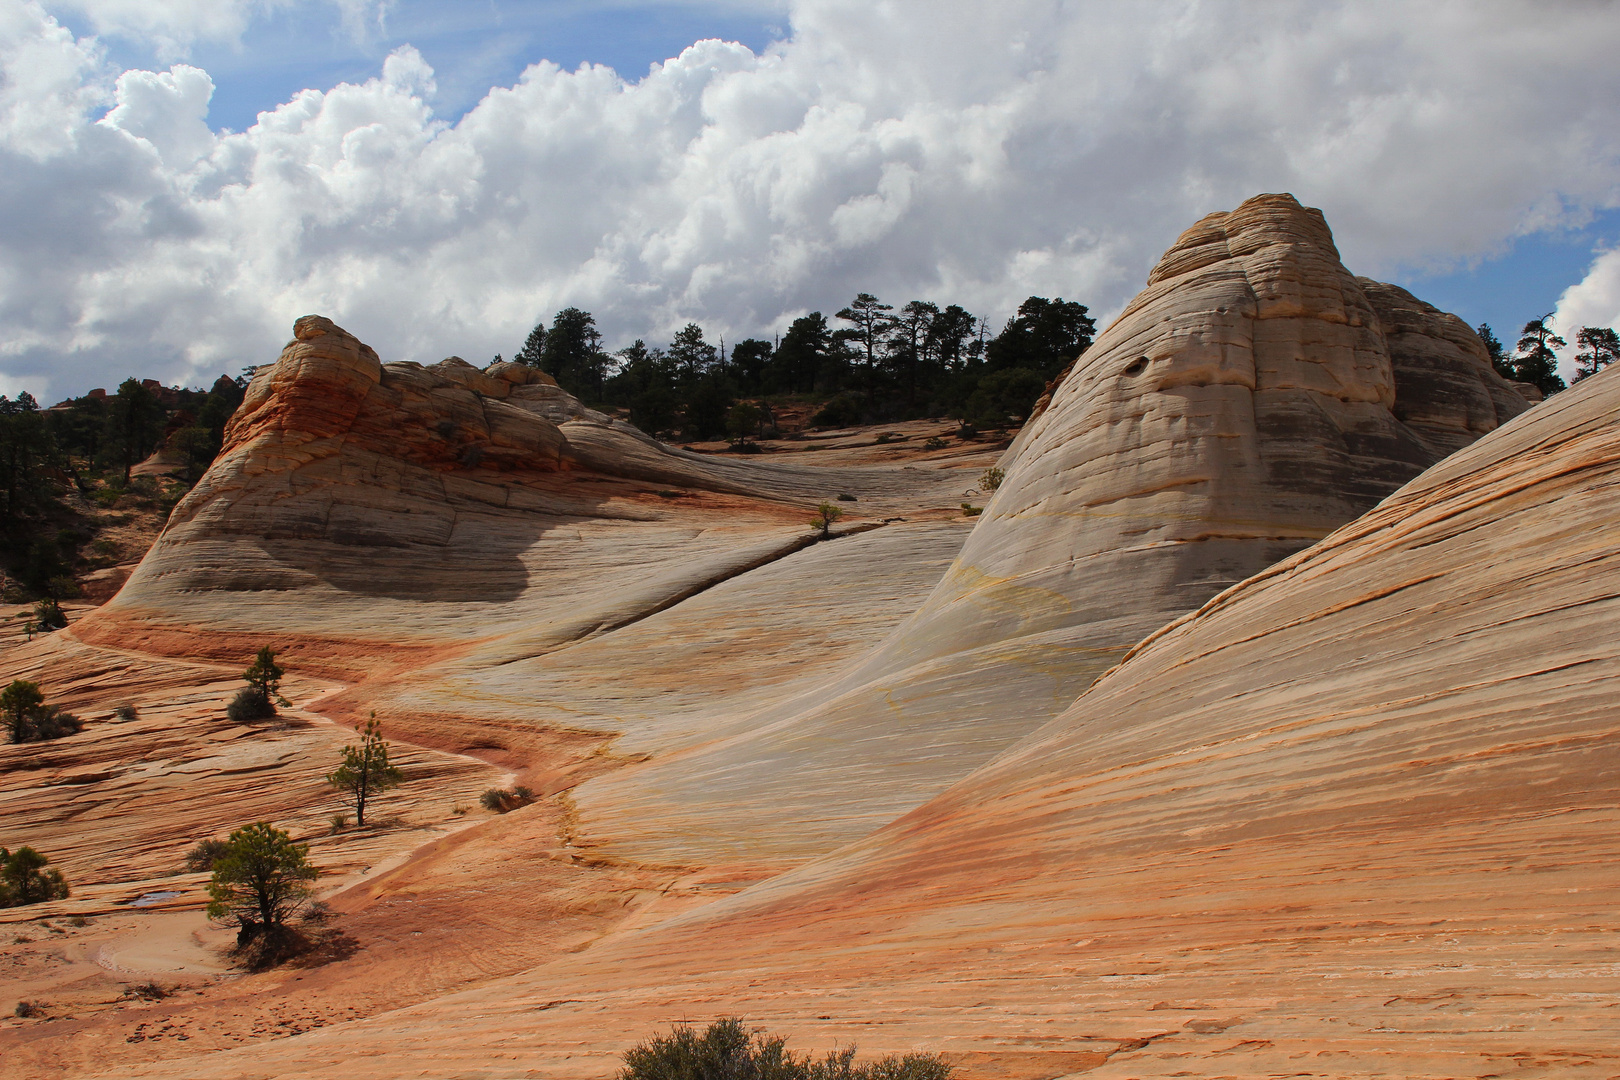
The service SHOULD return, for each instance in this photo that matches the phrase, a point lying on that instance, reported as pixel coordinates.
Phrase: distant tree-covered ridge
(58, 464)
(870, 362)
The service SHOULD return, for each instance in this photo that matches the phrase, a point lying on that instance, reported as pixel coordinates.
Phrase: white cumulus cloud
(962, 152)
(1592, 301)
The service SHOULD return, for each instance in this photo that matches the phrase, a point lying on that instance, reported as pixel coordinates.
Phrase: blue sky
(436, 200)
(472, 45)
(1524, 282)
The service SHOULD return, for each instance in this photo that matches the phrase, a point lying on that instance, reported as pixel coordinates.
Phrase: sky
(181, 179)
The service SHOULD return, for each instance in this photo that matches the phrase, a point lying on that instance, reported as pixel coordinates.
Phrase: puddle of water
(150, 898)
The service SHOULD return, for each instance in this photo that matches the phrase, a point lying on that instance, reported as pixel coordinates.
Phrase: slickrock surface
(1254, 397)
(451, 533)
(117, 806)
(490, 568)
(376, 513)
(1355, 817)
(525, 590)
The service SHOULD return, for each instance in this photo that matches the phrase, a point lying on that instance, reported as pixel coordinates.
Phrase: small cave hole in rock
(1138, 366)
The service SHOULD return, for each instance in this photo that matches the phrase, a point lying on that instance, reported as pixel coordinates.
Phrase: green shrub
(501, 800)
(24, 879)
(29, 719)
(935, 443)
(846, 497)
(845, 410)
(249, 705)
(1003, 396)
(826, 514)
(991, 480)
(728, 1051)
(202, 858)
(48, 614)
(126, 711)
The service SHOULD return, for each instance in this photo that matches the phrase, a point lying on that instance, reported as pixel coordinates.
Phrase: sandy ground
(495, 899)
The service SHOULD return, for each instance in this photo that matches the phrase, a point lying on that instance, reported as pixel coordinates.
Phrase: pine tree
(265, 676)
(1601, 347)
(18, 703)
(24, 879)
(534, 347)
(871, 328)
(365, 770)
(1494, 349)
(261, 880)
(693, 356)
(573, 353)
(1536, 362)
(826, 514)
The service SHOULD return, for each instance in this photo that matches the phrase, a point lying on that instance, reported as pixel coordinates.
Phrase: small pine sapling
(365, 770)
(263, 691)
(826, 514)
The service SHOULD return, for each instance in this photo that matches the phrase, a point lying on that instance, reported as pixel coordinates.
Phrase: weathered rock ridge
(1254, 397)
(1287, 831)
(370, 515)
(1351, 818)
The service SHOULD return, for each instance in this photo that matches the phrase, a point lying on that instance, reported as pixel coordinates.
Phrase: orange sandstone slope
(414, 511)
(1253, 398)
(1354, 817)
(451, 533)
(389, 528)
(492, 563)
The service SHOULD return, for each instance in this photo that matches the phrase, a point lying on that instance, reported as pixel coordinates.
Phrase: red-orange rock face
(315, 391)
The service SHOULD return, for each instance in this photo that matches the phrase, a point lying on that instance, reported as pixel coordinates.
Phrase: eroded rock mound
(450, 530)
(1254, 397)
(1350, 818)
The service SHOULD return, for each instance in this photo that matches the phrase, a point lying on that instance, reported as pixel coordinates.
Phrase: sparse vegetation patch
(727, 1050)
(364, 773)
(29, 719)
(25, 879)
(260, 883)
(502, 801)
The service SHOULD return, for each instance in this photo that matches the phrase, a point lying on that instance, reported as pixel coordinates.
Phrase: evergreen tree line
(91, 444)
(870, 363)
(1534, 360)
